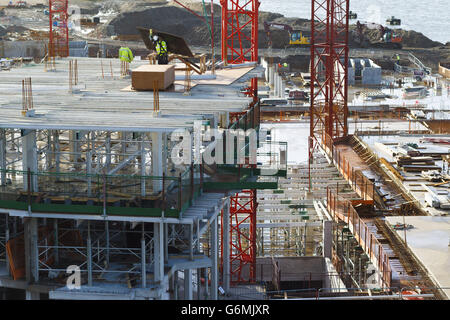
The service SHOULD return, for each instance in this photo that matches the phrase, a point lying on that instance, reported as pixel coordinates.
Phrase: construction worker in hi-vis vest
(161, 48)
(125, 54)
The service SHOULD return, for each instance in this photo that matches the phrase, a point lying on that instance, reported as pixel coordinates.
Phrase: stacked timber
(416, 164)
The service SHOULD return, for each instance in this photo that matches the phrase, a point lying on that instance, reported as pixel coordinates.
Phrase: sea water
(430, 17)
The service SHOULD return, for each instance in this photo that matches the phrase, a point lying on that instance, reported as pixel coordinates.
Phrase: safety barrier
(100, 194)
(343, 210)
(355, 177)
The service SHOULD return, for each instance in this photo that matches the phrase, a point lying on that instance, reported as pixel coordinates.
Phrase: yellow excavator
(296, 37)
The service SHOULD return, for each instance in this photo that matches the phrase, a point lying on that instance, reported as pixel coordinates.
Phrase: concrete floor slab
(429, 240)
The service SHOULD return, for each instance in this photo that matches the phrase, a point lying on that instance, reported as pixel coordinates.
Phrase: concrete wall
(332, 281)
(351, 76)
(292, 268)
(17, 49)
(371, 76)
(371, 72)
(78, 49)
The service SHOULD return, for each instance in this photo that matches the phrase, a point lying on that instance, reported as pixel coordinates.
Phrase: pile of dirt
(168, 19)
(415, 39)
(174, 19)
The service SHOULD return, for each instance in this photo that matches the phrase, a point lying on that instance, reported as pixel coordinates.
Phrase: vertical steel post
(89, 255)
(107, 242)
(214, 258)
(143, 259)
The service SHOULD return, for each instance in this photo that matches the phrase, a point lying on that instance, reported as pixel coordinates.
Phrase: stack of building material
(437, 198)
(408, 151)
(144, 76)
(416, 164)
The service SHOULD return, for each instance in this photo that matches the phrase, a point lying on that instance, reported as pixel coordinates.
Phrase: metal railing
(342, 210)
(100, 193)
(355, 177)
(386, 293)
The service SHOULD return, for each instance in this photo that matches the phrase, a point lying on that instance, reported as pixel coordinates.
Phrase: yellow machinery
(297, 38)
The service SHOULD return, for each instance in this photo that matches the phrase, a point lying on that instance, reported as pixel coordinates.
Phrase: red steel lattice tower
(59, 31)
(240, 45)
(329, 72)
(239, 30)
(243, 207)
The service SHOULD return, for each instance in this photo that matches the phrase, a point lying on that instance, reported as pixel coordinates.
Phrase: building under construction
(106, 191)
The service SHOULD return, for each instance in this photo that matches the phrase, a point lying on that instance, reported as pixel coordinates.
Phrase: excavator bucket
(175, 44)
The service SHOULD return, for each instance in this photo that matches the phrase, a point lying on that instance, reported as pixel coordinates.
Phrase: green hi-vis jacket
(161, 47)
(125, 54)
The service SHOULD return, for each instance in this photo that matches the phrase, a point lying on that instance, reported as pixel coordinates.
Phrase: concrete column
(197, 224)
(142, 165)
(275, 84)
(32, 295)
(172, 286)
(30, 247)
(175, 285)
(158, 241)
(199, 284)
(73, 145)
(327, 238)
(188, 284)
(103, 50)
(266, 66)
(57, 150)
(157, 161)
(166, 243)
(29, 155)
(279, 85)
(282, 87)
(206, 284)
(2, 157)
(226, 246)
(191, 242)
(305, 231)
(165, 149)
(108, 151)
(214, 257)
(123, 144)
(272, 76)
(34, 250)
(89, 172)
(49, 151)
(27, 248)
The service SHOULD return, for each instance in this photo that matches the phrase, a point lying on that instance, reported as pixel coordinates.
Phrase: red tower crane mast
(240, 45)
(59, 31)
(239, 30)
(329, 72)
